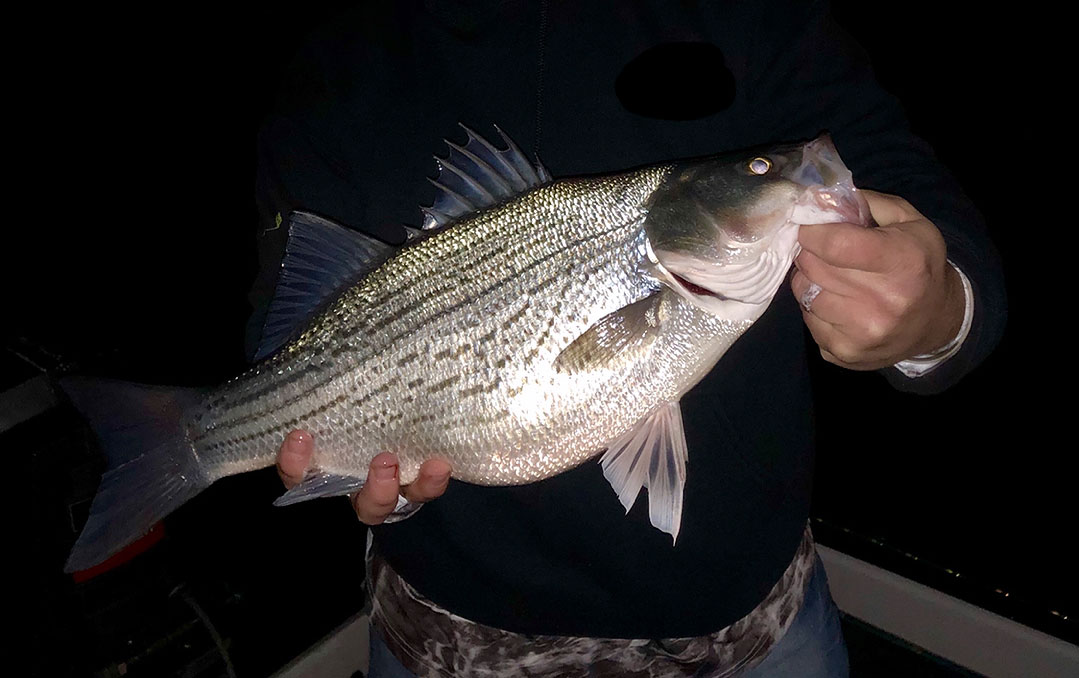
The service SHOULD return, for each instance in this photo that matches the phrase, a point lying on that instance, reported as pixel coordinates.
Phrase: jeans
(812, 647)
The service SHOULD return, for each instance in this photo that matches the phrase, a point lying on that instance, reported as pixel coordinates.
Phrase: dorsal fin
(478, 175)
(321, 257)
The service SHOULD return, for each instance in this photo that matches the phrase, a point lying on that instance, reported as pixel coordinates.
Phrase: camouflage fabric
(435, 643)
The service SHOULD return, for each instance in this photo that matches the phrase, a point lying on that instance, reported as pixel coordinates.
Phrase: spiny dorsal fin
(478, 175)
(321, 257)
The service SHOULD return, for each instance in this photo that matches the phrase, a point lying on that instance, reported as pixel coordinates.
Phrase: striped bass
(531, 325)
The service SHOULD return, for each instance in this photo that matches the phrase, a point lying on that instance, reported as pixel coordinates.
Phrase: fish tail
(151, 465)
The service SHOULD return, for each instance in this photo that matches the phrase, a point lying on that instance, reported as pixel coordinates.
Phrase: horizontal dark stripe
(479, 388)
(444, 384)
(440, 288)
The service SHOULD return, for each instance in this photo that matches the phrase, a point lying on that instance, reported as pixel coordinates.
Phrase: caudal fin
(151, 468)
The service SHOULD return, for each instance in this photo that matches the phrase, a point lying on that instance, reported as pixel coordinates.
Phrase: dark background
(131, 249)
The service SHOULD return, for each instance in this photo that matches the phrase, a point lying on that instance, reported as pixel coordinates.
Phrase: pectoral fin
(652, 454)
(617, 336)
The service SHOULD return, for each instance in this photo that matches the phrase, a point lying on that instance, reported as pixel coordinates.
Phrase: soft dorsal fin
(321, 257)
(478, 175)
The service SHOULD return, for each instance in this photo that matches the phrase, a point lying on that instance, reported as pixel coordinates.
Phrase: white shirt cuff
(921, 365)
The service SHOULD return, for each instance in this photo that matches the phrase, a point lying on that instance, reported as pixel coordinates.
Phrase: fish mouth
(832, 204)
(695, 289)
(830, 195)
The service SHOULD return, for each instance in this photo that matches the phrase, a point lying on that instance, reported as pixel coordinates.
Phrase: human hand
(378, 497)
(886, 294)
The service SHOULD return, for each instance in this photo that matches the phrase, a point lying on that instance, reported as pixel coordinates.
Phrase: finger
(864, 366)
(431, 483)
(846, 245)
(805, 290)
(842, 281)
(854, 328)
(820, 303)
(835, 347)
(890, 209)
(824, 306)
(378, 497)
(846, 347)
(294, 457)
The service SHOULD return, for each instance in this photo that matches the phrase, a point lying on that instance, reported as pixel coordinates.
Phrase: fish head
(723, 231)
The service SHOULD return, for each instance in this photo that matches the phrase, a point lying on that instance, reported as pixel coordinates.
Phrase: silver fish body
(449, 349)
(531, 335)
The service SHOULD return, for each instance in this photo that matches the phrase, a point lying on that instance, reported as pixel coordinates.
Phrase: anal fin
(652, 454)
(317, 484)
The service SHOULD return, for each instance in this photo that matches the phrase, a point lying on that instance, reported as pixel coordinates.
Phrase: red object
(123, 555)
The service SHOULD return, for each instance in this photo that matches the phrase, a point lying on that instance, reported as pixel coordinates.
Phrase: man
(550, 578)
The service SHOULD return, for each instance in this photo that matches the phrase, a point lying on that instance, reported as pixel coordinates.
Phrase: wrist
(922, 364)
(946, 332)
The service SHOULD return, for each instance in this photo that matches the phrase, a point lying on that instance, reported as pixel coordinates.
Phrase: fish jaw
(830, 195)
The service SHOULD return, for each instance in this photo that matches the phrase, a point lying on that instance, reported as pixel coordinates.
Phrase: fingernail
(297, 437)
(387, 472)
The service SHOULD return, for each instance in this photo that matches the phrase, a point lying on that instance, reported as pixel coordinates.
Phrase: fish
(530, 325)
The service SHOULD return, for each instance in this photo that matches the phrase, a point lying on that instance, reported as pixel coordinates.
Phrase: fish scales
(453, 325)
(518, 341)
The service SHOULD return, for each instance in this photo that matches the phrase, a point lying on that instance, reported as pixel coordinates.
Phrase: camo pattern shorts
(432, 642)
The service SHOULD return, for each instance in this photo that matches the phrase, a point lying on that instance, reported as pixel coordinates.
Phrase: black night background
(131, 251)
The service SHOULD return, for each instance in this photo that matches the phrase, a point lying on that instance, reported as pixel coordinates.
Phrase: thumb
(889, 209)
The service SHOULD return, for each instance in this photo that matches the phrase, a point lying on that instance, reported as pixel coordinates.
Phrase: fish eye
(760, 165)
